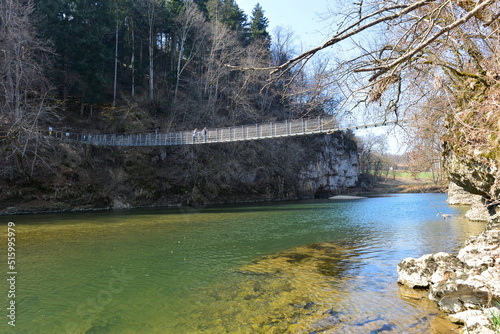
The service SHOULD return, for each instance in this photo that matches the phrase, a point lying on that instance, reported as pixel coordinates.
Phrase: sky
(303, 17)
(307, 20)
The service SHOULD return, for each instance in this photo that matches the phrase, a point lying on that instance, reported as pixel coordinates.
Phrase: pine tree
(80, 30)
(258, 25)
(229, 13)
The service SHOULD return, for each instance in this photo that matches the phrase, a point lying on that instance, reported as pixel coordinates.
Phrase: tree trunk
(116, 65)
(133, 59)
(82, 105)
(151, 63)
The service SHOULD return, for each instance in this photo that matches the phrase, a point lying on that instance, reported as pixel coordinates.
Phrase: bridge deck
(288, 128)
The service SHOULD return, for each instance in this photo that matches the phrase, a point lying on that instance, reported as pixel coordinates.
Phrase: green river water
(289, 267)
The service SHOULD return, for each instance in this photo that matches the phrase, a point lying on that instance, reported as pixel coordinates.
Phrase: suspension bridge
(288, 128)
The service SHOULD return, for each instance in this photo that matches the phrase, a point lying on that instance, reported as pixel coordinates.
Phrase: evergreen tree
(80, 30)
(229, 13)
(258, 25)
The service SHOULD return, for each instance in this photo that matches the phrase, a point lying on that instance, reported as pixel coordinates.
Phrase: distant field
(422, 175)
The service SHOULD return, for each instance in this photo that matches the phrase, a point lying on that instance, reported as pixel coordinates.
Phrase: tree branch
(384, 68)
(344, 34)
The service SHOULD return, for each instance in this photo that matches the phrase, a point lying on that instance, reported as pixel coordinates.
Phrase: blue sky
(303, 17)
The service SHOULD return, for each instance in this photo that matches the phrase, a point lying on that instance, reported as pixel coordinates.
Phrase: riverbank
(85, 178)
(40, 204)
(401, 185)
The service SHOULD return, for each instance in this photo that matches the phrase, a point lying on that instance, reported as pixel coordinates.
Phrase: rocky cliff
(89, 177)
(458, 196)
(334, 169)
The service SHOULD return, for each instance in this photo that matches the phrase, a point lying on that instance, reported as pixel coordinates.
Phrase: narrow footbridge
(289, 128)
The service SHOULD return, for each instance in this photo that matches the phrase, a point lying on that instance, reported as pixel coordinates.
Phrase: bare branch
(384, 68)
(345, 34)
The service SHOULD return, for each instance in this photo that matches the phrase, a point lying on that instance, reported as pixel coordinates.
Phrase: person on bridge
(194, 134)
(204, 133)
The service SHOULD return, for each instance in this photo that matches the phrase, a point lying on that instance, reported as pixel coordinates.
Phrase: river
(289, 267)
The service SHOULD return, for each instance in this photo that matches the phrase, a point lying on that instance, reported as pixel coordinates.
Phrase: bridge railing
(228, 134)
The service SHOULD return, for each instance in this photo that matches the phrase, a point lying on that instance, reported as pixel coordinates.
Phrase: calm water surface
(301, 267)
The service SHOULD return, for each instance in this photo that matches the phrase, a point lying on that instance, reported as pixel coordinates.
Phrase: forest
(169, 55)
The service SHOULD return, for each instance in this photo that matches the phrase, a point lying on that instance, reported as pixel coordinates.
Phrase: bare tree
(224, 48)
(282, 46)
(190, 23)
(244, 88)
(424, 133)
(371, 151)
(24, 89)
(151, 7)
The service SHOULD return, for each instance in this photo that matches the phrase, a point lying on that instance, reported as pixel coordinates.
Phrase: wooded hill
(139, 65)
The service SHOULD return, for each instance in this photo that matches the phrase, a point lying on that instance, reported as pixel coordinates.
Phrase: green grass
(421, 175)
(494, 318)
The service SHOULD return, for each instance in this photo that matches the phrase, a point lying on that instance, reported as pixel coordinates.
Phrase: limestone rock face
(335, 169)
(474, 175)
(483, 251)
(428, 269)
(458, 196)
(478, 212)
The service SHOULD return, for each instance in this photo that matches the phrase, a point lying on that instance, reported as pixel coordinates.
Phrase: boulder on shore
(471, 291)
(477, 321)
(428, 269)
(468, 281)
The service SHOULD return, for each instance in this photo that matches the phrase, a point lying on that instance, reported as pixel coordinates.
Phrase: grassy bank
(405, 182)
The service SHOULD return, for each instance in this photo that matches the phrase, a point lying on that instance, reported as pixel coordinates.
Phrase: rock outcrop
(478, 212)
(477, 321)
(466, 283)
(90, 177)
(459, 196)
(334, 170)
(474, 173)
(428, 269)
